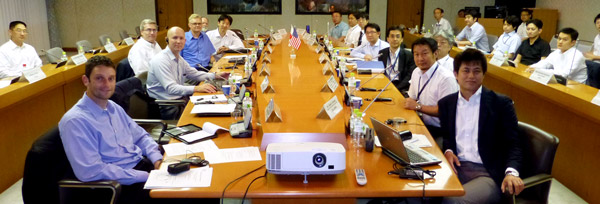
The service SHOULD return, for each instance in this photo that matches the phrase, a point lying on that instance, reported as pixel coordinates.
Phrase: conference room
(292, 87)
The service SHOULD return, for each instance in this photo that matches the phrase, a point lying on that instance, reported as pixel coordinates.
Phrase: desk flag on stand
(294, 39)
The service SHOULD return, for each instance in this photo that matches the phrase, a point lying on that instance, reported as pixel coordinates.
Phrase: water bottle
(351, 122)
(351, 83)
(80, 50)
(255, 37)
(314, 34)
(271, 30)
(358, 130)
(342, 64)
(423, 28)
(505, 54)
(108, 41)
(247, 102)
(261, 45)
(64, 57)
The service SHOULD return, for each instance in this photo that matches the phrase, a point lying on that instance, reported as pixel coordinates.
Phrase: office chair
(54, 55)
(49, 178)
(593, 71)
(144, 110)
(538, 150)
(492, 39)
(239, 33)
(124, 70)
(123, 34)
(86, 45)
(103, 39)
(553, 43)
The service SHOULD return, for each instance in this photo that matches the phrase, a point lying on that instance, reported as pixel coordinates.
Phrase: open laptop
(393, 146)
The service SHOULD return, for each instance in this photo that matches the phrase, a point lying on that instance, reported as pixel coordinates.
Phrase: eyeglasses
(196, 24)
(396, 36)
(151, 30)
(371, 33)
(23, 31)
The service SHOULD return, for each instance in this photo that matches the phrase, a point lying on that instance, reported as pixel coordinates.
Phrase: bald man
(168, 72)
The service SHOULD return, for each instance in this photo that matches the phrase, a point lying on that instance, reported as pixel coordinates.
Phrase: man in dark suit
(397, 60)
(481, 141)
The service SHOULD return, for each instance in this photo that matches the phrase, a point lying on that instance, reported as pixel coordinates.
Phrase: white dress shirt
(167, 74)
(596, 45)
(352, 36)
(447, 63)
(443, 25)
(367, 49)
(140, 55)
(389, 70)
(442, 83)
(467, 127)
(522, 30)
(229, 40)
(13, 57)
(507, 42)
(570, 64)
(475, 34)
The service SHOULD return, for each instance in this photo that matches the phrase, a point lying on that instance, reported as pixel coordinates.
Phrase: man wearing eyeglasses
(370, 51)
(145, 48)
(16, 55)
(198, 47)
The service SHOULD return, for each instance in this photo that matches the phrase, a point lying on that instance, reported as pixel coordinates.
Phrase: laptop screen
(390, 140)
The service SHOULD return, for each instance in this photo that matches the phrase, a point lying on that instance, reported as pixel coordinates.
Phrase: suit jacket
(500, 145)
(406, 65)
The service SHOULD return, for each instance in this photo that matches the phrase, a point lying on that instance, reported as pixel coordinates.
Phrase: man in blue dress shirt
(473, 33)
(198, 48)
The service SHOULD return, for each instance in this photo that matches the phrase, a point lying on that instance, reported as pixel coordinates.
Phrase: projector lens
(319, 160)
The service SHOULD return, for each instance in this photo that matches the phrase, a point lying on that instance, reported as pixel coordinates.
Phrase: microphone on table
(377, 97)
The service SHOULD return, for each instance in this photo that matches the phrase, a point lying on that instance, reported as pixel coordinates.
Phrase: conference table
(30, 109)
(564, 111)
(297, 84)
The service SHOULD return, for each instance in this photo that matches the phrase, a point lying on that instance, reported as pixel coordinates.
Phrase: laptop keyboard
(415, 157)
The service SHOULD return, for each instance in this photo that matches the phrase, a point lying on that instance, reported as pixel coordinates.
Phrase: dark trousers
(437, 135)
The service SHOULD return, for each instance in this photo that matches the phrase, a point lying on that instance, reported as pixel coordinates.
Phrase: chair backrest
(492, 39)
(593, 70)
(239, 33)
(46, 164)
(86, 45)
(539, 150)
(123, 34)
(132, 97)
(137, 31)
(103, 39)
(124, 70)
(553, 43)
(584, 45)
(54, 54)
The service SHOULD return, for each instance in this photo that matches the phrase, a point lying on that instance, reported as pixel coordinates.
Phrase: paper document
(197, 177)
(213, 108)
(233, 155)
(418, 140)
(4, 83)
(181, 148)
(234, 56)
(216, 98)
(208, 129)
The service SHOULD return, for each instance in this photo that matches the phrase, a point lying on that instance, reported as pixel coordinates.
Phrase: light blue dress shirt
(197, 50)
(339, 30)
(367, 49)
(105, 144)
(475, 34)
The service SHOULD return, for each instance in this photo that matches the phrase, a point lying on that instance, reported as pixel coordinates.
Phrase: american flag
(294, 39)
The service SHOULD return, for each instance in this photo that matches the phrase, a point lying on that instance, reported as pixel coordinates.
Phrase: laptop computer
(393, 146)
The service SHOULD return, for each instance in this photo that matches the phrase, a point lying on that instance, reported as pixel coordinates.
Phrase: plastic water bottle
(342, 64)
(357, 132)
(271, 30)
(351, 83)
(314, 34)
(261, 45)
(247, 102)
(80, 50)
(64, 57)
(108, 41)
(351, 122)
(255, 37)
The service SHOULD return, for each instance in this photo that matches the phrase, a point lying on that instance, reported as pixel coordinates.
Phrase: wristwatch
(513, 173)
(418, 107)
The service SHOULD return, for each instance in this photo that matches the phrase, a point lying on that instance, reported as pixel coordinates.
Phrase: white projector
(306, 158)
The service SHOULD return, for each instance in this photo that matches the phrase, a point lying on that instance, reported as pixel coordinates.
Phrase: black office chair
(539, 150)
(49, 178)
(124, 70)
(54, 55)
(123, 34)
(239, 33)
(104, 39)
(593, 71)
(86, 45)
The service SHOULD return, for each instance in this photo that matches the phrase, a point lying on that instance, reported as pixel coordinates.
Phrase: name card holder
(596, 99)
(330, 109)
(330, 86)
(129, 41)
(319, 49)
(323, 58)
(282, 32)
(77, 59)
(269, 49)
(272, 112)
(33, 74)
(266, 87)
(277, 36)
(265, 71)
(267, 59)
(543, 76)
(110, 47)
(327, 69)
(499, 60)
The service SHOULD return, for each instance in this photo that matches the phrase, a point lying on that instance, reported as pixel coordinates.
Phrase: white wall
(377, 14)
(33, 13)
(451, 8)
(578, 14)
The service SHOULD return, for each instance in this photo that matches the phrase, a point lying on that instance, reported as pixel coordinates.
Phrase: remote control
(361, 177)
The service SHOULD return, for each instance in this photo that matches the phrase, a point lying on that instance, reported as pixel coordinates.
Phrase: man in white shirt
(594, 54)
(442, 24)
(444, 42)
(168, 72)
(363, 20)
(509, 41)
(566, 61)
(473, 33)
(145, 48)
(526, 15)
(16, 55)
(370, 50)
(222, 38)
(428, 84)
(351, 39)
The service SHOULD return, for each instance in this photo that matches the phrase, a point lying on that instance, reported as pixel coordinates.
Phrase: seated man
(566, 61)
(222, 38)
(351, 39)
(168, 72)
(369, 51)
(204, 24)
(473, 33)
(445, 42)
(198, 47)
(15, 55)
(363, 20)
(398, 62)
(340, 28)
(428, 84)
(509, 41)
(594, 54)
(533, 49)
(145, 48)
(441, 24)
(102, 142)
(481, 139)
(526, 15)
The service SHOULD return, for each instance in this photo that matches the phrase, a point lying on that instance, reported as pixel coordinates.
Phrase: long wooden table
(297, 84)
(564, 111)
(30, 110)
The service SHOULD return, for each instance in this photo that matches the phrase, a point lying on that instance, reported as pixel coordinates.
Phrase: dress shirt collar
(377, 44)
(430, 70)
(355, 27)
(568, 51)
(474, 99)
(93, 107)
(146, 43)
(170, 54)
(189, 35)
(508, 35)
(444, 59)
(13, 45)
(474, 25)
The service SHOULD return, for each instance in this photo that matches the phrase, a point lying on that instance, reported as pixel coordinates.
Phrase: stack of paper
(197, 177)
(181, 148)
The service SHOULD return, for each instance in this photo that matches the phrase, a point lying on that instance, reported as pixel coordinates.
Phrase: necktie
(360, 38)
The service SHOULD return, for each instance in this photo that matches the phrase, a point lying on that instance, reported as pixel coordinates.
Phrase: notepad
(373, 66)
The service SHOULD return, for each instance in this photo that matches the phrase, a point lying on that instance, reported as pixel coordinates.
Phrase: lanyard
(419, 90)
(395, 60)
